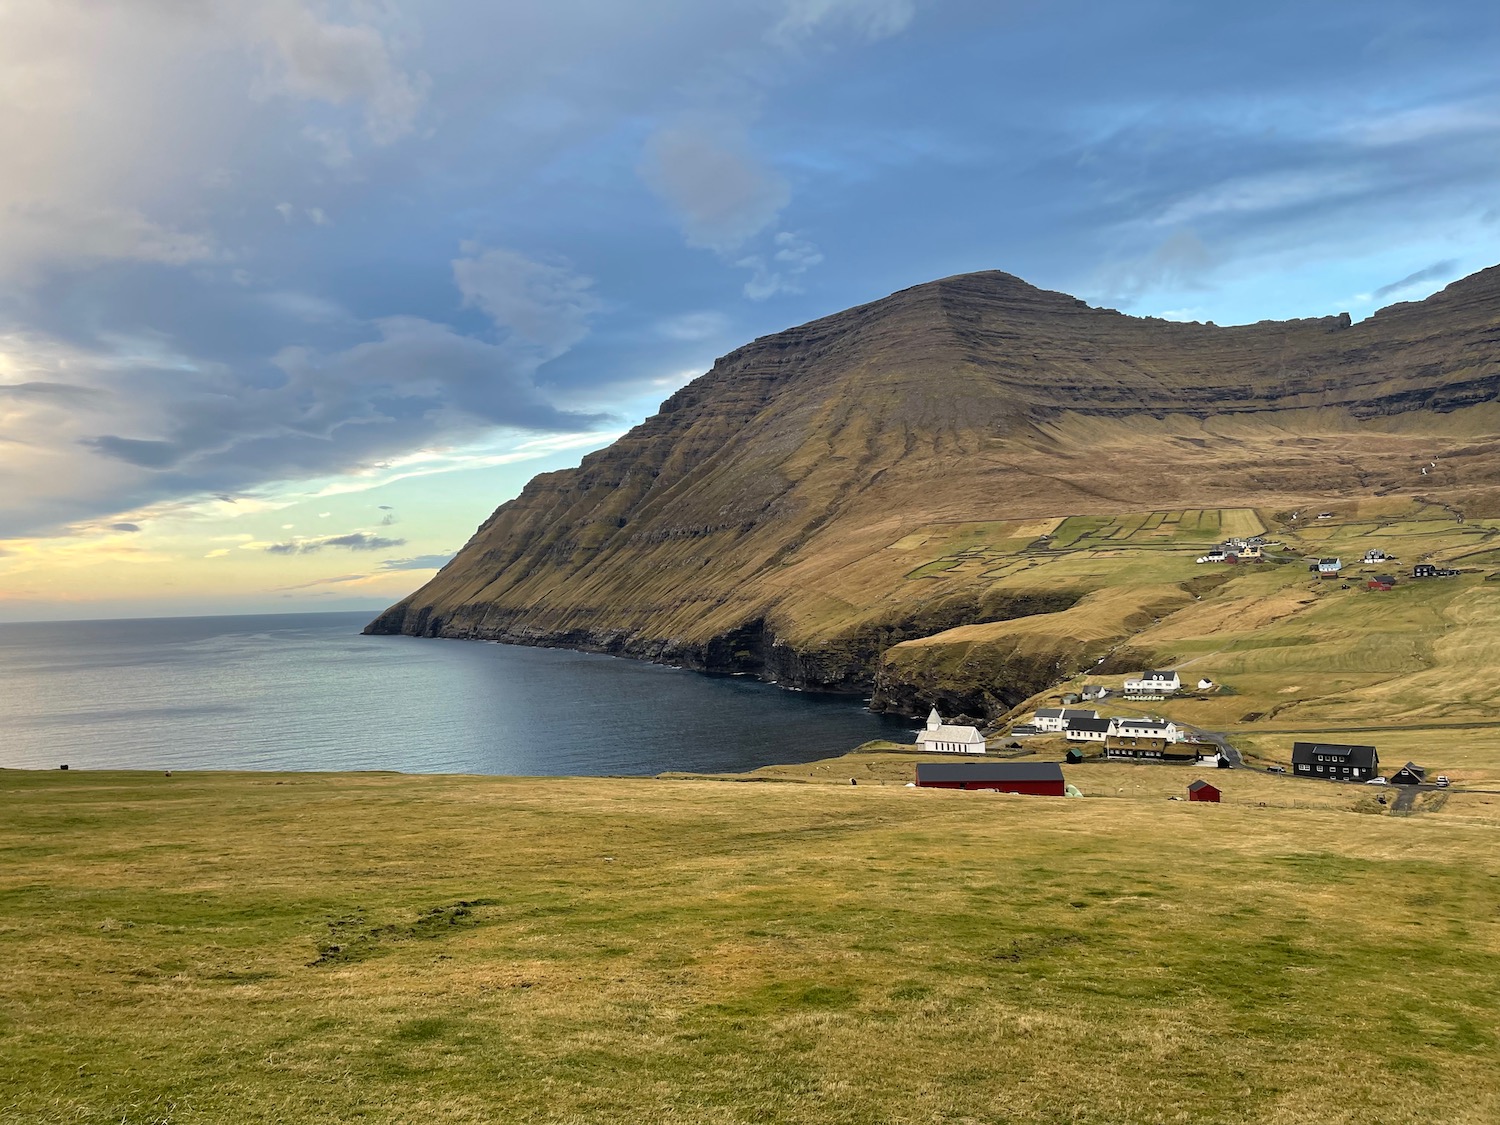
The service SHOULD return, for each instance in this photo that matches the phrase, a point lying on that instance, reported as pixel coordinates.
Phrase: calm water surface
(307, 692)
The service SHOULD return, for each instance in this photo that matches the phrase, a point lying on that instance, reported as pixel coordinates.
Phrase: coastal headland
(974, 490)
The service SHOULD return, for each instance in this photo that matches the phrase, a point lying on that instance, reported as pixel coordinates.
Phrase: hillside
(275, 948)
(917, 465)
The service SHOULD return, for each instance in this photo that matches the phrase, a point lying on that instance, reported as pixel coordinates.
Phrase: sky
(294, 293)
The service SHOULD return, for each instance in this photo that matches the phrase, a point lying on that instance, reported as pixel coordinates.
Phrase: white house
(1056, 719)
(1330, 566)
(1153, 683)
(1145, 728)
(1089, 730)
(942, 739)
(1376, 555)
(1205, 685)
(1095, 691)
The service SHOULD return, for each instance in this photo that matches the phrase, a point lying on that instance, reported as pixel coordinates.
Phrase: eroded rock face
(749, 525)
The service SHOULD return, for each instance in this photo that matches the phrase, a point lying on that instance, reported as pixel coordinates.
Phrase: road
(1226, 751)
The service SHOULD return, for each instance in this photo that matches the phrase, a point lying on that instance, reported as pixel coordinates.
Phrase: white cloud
(113, 141)
(1181, 261)
(337, 63)
(870, 19)
(1271, 191)
(722, 193)
(693, 326)
(780, 271)
(546, 305)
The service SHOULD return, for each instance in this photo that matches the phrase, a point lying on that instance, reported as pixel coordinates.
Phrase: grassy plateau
(377, 948)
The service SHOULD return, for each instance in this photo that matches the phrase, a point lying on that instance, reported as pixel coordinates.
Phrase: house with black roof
(1057, 719)
(1129, 748)
(1038, 778)
(1409, 774)
(1334, 761)
(1089, 730)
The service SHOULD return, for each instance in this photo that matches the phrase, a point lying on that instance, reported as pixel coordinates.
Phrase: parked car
(1276, 769)
(1442, 781)
(1377, 781)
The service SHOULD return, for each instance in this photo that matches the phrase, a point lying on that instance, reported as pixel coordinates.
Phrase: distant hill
(805, 505)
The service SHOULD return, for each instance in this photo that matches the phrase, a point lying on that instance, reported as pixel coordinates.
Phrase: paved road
(1226, 751)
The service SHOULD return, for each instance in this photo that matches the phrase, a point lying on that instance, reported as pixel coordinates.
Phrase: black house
(1409, 774)
(1424, 570)
(1334, 761)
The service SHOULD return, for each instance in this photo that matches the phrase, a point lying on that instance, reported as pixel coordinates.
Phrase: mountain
(793, 513)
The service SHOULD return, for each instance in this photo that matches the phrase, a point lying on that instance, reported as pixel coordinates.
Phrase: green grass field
(1419, 666)
(303, 948)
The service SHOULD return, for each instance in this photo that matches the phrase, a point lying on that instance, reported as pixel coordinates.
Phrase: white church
(942, 739)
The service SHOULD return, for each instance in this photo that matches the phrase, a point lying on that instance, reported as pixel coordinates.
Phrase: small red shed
(1044, 779)
(1202, 791)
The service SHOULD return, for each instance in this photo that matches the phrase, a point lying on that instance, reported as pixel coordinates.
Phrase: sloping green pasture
(318, 949)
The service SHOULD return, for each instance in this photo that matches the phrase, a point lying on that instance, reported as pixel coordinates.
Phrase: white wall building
(940, 738)
(1145, 728)
(1089, 730)
(1153, 683)
(1056, 719)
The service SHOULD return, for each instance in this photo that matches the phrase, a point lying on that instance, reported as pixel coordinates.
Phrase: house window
(1356, 771)
(1320, 769)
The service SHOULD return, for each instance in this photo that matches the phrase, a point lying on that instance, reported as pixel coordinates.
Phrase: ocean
(308, 692)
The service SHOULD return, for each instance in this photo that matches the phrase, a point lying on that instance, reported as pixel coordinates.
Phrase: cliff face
(756, 522)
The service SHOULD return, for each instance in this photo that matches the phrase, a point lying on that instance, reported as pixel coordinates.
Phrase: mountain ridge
(748, 525)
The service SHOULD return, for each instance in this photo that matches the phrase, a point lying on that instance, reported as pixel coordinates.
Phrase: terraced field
(1296, 655)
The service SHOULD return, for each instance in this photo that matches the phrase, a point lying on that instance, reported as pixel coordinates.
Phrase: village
(1253, 550)
(1143, 739)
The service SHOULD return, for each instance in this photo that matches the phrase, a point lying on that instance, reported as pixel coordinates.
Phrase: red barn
(1203, 791)
(1044, 779)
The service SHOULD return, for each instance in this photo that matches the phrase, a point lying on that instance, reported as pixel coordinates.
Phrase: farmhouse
(1145, 728)
(1329, 568)
(1375, 555)
(1153, 683)
(1043, 779)
(1201, 790)
(1381, 582)
(943, 739)
(1428, 570)
(1409, 774)
(1056, 719)
(1333, 761)
(1095, 691)
(1088, 730)
(1124, 748)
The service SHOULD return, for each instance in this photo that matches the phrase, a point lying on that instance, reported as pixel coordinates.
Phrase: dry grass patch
(700, 951)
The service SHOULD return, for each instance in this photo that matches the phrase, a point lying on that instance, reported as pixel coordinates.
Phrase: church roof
(951, 734)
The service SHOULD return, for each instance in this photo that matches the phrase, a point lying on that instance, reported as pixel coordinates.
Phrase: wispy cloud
(353, 541)
(417, 562)
(1444, 268)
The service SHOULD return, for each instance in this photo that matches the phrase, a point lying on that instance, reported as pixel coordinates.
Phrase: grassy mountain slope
(792, 512)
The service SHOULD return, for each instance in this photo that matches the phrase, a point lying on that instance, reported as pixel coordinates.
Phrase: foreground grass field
(263, 948)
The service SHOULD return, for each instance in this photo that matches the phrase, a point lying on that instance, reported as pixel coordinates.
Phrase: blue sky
(292, 294)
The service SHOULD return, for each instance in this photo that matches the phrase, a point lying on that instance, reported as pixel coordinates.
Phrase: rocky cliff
(762, 520)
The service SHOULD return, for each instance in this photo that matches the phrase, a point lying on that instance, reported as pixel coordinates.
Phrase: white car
(1377, 781)
(1442, 781)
